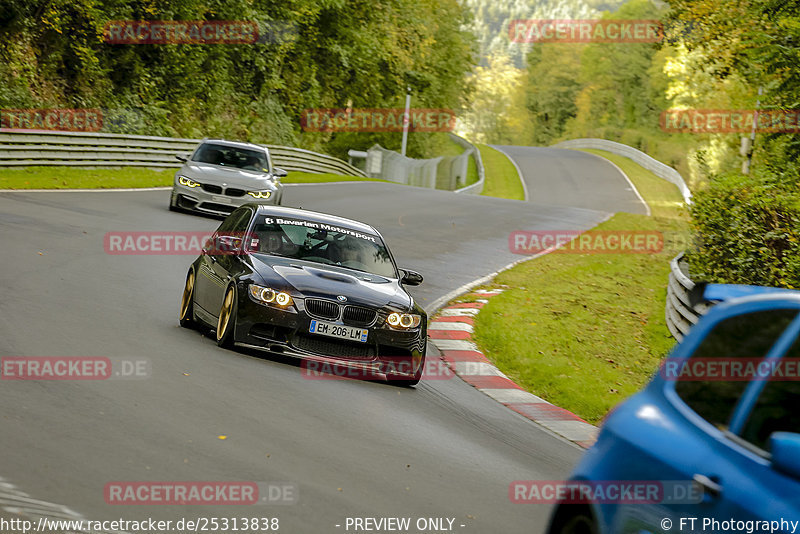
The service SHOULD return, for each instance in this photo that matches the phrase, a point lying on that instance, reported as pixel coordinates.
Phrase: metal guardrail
(445, 172)
(472, 150)
(394, 167)
(653, 165)
(25, 148)
(680, 314)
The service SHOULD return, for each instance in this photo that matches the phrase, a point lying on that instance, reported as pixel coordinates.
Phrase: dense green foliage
(614, 91)
(764, 51)
(748, 231)
(492, 18)
(716, 54)
(748, 226)
(333, 53)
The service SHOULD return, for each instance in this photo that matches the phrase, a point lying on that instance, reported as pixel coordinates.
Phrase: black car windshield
(321, 243)
(228, 156)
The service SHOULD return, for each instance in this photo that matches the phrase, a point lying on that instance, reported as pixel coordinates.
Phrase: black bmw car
(310, 285)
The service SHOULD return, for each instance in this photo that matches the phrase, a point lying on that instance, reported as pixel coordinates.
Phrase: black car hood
(316, 280)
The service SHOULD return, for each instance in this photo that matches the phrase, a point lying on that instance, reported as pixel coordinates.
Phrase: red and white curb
(451, 331)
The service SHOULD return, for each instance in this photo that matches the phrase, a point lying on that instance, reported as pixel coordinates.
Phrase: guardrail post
(679, 313)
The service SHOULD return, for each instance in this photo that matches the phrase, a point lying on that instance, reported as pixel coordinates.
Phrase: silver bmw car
(219, 176)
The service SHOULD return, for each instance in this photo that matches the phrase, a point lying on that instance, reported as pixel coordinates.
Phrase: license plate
(221, 200)
(338, 331)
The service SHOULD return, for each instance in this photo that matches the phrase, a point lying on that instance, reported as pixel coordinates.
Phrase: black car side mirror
(280, 173)
(410, 278)
(181, 157)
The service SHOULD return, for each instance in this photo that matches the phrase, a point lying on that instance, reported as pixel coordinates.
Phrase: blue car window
(776, 408)
(749, 335)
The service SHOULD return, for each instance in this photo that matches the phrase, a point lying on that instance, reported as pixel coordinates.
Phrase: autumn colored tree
(326, 53)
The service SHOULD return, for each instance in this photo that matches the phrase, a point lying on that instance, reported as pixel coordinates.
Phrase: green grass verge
(123, 177)
(502, 180)
(75, 178)
(584, 331)
(443, 145)
(472, 172)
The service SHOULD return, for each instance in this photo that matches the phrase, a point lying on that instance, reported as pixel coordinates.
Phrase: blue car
(718, 428)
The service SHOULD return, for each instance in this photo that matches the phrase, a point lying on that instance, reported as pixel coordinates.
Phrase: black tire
(186, 312)
(226, 324)
(573, 519)
(403, 380)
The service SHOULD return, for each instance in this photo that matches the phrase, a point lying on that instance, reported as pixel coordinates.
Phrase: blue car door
(727, 389)
(696, 428)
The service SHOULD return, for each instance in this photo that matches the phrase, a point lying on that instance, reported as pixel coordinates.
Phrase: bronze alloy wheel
(227, 319)
(187, 301)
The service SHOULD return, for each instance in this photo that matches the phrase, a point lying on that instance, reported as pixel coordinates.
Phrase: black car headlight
(188, 182)
(267, 295)
(403, 321)
(260, 194)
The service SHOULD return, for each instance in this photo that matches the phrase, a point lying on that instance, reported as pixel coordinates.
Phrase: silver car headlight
(188, 182)
(260, 194)
(267, 295)
(403, 321)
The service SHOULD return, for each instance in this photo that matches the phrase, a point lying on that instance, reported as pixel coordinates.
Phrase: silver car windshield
(321, 243)
(227, 156)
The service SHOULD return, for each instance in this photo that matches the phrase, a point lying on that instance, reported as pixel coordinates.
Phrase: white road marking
(633, 187)
(478, 369)
(448, 325)
(511, 395)
(519, 171)
(571, 429)
(17, 502)
(459, 312)
(455, 344)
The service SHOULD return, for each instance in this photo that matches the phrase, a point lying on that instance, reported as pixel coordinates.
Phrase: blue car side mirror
(785, 449)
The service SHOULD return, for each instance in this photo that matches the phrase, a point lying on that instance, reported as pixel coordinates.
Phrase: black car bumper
(389, 351)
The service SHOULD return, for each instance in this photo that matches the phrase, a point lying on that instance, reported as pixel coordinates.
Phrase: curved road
(352, 448)
(561, 177)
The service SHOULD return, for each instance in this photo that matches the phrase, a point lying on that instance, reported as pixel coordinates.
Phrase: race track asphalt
(350, 448)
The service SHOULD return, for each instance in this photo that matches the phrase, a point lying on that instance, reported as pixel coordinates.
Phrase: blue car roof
(723, 292)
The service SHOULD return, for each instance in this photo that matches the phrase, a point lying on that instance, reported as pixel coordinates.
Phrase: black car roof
(314, 216)
(233, 144)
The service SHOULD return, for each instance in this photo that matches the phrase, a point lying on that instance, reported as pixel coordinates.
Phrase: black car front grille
(336, 349)
(358, 316)
(322, 309)
(213, 189)
(231, 192)
(185, 202)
